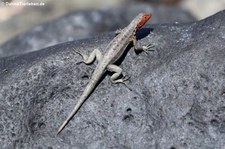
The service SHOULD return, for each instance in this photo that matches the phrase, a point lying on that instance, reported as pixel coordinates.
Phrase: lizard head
(143, 18)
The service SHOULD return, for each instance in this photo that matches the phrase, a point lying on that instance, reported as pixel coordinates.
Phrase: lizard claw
(118, 31)
(77, 52)
(124, 79)
(84, 56)
(79, 62)
(148, 48)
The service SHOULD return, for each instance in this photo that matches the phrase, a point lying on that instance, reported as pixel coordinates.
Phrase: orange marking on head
(144, 19)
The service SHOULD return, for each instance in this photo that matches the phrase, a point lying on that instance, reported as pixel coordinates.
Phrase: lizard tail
(89, 88)
(78, 105)
(86, 93)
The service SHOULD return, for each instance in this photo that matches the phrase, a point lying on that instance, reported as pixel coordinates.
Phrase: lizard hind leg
(90, 59)
(117, 72)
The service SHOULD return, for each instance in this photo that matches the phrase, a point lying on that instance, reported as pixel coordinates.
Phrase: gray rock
(177, 97)
(85, 24)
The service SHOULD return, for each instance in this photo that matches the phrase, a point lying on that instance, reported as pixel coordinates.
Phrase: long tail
(89, 88)
(72, 113)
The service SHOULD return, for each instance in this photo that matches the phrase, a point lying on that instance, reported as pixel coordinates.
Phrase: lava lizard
(106, 62)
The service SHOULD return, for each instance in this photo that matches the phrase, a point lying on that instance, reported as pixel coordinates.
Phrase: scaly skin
(115, 49)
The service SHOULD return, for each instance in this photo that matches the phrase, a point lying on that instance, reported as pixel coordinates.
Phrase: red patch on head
(144, 19)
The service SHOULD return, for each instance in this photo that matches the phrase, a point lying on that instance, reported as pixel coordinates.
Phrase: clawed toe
(148, 48)
(125, 78)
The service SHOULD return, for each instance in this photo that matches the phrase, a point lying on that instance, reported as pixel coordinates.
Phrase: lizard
(106, 62)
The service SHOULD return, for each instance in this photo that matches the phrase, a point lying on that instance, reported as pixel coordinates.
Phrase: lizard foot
(148, 48)
(118, 31)
(84, 56)
(123, 81)
(96, 54)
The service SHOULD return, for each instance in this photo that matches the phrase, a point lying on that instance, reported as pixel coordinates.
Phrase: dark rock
(84, 24)
(177, 97)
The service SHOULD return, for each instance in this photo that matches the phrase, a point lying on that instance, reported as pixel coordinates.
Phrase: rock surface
(177, 97)
(84, 24)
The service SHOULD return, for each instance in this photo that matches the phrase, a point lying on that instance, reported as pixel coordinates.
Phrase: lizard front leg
(118, 31)
(138, 47)
(89, 59)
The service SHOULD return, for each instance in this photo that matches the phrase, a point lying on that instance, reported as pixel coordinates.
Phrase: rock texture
(177, 97)
(85, 24)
